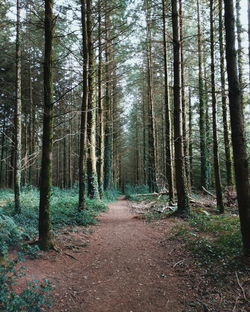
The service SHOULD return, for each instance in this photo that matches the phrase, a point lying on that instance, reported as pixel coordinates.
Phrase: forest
(124, 155)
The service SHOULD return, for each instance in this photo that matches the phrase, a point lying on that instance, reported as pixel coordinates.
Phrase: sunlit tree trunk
(91, 118)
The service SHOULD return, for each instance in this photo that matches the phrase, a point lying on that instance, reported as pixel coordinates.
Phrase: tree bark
(45, 236)
(248, 14)
(190, 113)
(91, 118)
(240, 49)
(100, 105)
(168, 123)
(183, 100)
(108, 141)
(84, 108)
(227, 143)
(217, 177)
(202, 109)
(237, 125)
(151, 121)
(182, 194)
(18, 115)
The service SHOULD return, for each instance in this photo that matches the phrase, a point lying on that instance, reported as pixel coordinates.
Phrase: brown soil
(125, 267)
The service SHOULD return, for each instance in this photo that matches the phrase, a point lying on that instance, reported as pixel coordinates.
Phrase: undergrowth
(33, 297)
(215, 242)
(14, 229)
(131, 190)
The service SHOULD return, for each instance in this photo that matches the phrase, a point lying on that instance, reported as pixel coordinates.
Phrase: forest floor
(121, 264)
(126, 264)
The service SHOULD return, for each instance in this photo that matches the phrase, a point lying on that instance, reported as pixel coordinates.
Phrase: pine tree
(182, 194)
(237, 125)
(18, 114)
(84, 108)
(45, 236)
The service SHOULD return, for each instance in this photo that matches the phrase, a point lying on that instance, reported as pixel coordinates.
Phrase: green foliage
(152, 216)
(136, 189)
(10, 233)
(24, 226)
(215, 241)
(111, 195)
(33, 298)
(131, 190)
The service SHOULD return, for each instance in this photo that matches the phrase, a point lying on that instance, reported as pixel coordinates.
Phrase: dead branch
(241, 287)
(153, 194)
(206, 191)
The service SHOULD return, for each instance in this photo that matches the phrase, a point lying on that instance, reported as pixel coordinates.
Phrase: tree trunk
(91, 119)
(182, 194)
(100, 105)
(108, 141)
(202, 109)
(237, 125)
(84, 107)
(183, 100)
(18, 116)
(31, 128)
(228, 151)
(2, 183)
(248, 14)
(217, 177)
(240, 49)
(45, 238)
(151, 121)
(169, 156)
(190, 138)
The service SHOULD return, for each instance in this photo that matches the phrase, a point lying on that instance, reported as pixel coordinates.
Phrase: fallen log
(206, 191)
(152, 194)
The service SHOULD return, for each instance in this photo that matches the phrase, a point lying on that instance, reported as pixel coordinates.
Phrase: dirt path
(124, 268)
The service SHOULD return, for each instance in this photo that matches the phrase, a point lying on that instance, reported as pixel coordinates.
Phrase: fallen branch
(241, 287)
(179, 262)
(206, 191)
(69, 255)
(153, 194)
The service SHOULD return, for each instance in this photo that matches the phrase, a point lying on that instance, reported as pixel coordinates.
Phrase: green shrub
(24, 226)
(215, 241)
(111, 195)
(10, 233)
(136, 189)
(33, 298)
